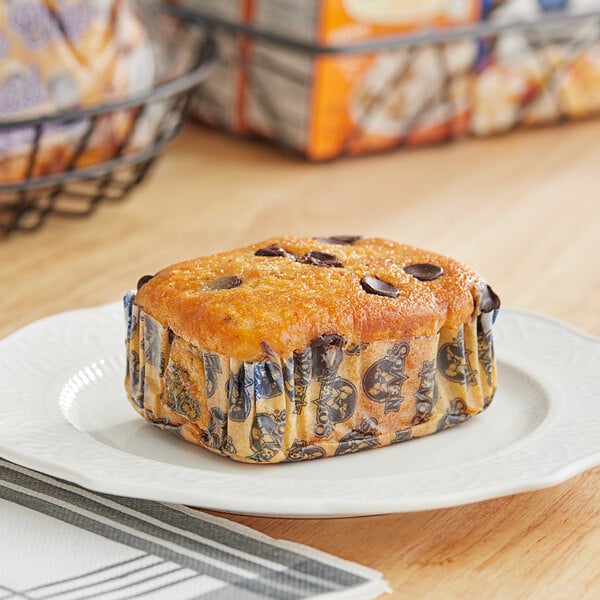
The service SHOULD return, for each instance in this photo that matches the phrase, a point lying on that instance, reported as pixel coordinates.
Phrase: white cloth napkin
(60, 541)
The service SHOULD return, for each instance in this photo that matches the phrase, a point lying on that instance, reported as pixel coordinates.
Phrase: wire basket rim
(85, 173)
(387, 42)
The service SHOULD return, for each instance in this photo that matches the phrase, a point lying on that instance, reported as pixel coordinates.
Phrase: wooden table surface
(524, 210)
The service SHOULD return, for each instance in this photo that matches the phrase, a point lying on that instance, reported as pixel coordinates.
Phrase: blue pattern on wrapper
(128, 299)
(364, 436)
(152, 345)
(455, 414)
(297, 378)
(130, 318)
(135, 371)
(266, 435)
(485, 345)
(268, 379)
(383, 381)
(454, 363)
(240, 391)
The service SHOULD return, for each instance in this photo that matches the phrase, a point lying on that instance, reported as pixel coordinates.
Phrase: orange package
(326, 104)
(301, 78)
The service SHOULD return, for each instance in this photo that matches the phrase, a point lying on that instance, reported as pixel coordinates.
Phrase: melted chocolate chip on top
(374, 285)
(341, 239)
(227, 282)
(489, 300)
(424, 271)
(144, 280)
(271, 250)
(321, 259)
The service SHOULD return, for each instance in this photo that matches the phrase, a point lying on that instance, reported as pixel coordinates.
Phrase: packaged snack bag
(325, 105)
(539, 75)
(327, 78)
(294, 92)
(57, 55)
(219, 100)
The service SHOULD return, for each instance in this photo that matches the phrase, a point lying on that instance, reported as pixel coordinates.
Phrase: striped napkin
(60, 541)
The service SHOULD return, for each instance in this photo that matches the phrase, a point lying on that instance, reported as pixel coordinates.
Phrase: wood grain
(524, 210)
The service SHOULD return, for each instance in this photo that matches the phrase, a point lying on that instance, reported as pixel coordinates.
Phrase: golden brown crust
(283, 304)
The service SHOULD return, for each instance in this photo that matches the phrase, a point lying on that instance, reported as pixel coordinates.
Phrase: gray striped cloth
(60, 541)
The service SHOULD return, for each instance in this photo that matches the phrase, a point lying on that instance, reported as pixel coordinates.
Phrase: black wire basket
(277, 78)
(150, 120)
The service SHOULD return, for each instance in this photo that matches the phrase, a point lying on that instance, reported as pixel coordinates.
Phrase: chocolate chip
(328, 339)
(424, 271)
(271, 250)
(227, 282)
(143, 281)
(374, 285)
(321, 259)
(489, 300)
(341, 239)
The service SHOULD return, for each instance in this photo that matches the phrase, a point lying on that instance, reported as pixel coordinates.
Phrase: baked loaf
(56, 56)
(299, 348)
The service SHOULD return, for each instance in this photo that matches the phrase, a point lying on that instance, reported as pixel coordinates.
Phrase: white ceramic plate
(63, 410)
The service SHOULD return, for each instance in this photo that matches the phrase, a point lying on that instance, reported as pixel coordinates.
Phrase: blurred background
(137, 134)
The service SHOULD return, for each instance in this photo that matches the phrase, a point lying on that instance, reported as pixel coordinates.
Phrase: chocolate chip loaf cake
(300, 348)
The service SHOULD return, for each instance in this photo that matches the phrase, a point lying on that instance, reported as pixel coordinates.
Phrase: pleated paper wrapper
(320, 401)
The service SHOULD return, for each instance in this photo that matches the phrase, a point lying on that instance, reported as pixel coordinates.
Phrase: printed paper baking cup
(329, 399)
